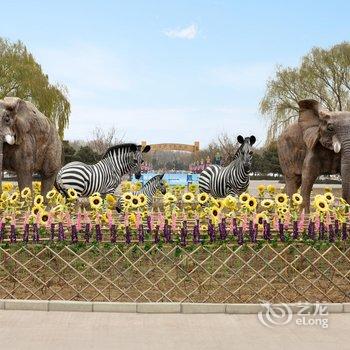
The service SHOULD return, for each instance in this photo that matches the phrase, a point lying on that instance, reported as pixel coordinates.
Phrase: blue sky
(170, 71)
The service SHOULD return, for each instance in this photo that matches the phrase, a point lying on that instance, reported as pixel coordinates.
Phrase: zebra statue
(232, 179)
(104, 176)
(149, 189)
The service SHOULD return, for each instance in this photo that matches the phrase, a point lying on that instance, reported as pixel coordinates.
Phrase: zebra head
(246, 151)
(161, 186)
(138, 160)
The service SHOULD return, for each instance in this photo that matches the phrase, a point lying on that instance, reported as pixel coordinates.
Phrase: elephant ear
(19, 110)
(309, 121)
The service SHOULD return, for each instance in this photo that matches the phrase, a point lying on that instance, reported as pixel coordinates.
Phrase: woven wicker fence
(224, 273)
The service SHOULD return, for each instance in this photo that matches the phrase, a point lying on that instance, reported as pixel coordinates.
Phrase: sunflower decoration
(38, 200)
(261, 190)
(202, 198)
(60, 200)
(320, 204)
(188, 197)
(7, 187)
(281, 199)
(72, 194)
(192, 188)
(230, 203)
(143, 199)
(260, 218)
(36, 186)
(95, 202)
(126, 186)
(271, 189)
(329, 197)
(169, 198)
(111, 201)
(135, 202)
(251, 204)
(51, 195)
(267, 203)
(282, 210)
(5, 196)
(44, 217)
(127, 196)
(297, 199)
(244, 198)
(26, 193)
(214, 212)
(15, 196)
(37, 209)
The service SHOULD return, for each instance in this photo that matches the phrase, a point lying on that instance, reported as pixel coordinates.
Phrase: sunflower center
(321, 205)
(251, 203)
(215, 212)
(281, 199)
(44, 218)
(96, 201)
(135, 201)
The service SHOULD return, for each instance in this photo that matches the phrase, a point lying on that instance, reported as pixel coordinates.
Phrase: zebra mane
(153, 179)
(131, 146)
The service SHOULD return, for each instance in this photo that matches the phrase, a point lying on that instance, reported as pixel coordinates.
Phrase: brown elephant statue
(317, 144)
(31, 143)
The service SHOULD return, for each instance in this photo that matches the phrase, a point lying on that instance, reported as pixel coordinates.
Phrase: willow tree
(323, 75)
(22, 76)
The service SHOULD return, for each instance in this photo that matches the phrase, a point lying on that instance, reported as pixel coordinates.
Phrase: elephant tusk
(10, 139)
(336, 144)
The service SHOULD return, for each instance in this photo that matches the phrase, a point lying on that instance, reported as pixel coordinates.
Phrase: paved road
(73, 330)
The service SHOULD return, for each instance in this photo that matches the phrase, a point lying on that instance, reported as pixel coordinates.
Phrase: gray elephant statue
(317, 144)
(31, 143)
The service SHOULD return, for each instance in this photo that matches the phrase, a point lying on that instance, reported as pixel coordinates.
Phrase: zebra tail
(59, 186)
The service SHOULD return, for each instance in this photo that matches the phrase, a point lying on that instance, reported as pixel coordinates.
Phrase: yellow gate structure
(173, 147)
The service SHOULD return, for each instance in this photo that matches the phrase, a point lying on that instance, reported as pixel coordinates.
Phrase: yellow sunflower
(135, 202)
(72, 194)
(110, 199)
(51, 194)
(39, 199)
(37, 209)
(26, 192)
(321, 204)
(188, 197)
(143, 199)
(261, 189)
(244, 197)
(60, 199)
(260, 218)
(169, 198)
(281, 199)
(95, 202)
(271, 189)
(5, 196)
(127, 196)
(251, 204)
(267, 203)
(202, 198)
(44, 217)
(297, 199)
(14, 197)
(230, 202)
(214, 211)
(329, 197)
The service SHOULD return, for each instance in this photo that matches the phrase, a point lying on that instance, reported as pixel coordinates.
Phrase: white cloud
(189, 32)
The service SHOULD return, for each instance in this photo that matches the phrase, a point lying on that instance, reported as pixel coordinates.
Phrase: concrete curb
(162, 308)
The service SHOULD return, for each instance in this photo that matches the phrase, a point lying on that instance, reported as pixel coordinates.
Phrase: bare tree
(103, 139)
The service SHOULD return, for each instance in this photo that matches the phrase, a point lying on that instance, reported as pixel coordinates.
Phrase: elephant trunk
(1, 160)
(345, 169)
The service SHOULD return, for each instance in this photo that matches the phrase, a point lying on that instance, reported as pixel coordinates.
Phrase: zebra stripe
(233, 179)
(104, 176)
